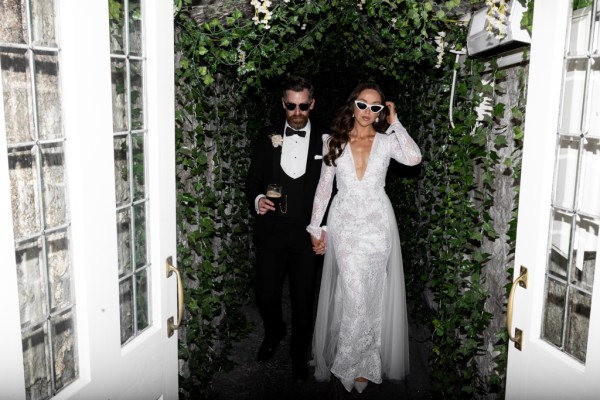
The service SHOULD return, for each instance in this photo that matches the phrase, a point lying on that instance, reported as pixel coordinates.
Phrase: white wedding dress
(361, 326)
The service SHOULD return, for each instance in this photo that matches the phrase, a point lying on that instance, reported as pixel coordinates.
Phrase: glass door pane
(129, 138)
(575, 210)
(37, 153)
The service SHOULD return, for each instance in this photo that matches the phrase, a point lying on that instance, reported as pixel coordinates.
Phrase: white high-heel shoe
(348, 384)
(360, 386)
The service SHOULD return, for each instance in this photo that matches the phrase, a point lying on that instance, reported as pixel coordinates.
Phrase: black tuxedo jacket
(265, 168)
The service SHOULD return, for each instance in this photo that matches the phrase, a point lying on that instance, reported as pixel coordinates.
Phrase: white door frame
(539, 371)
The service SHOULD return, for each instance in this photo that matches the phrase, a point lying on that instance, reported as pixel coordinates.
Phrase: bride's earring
(377, 119)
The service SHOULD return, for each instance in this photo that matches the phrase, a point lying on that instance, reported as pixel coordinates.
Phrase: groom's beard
(297, 122)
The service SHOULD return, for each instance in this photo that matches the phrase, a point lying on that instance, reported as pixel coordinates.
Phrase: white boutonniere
(276, 140)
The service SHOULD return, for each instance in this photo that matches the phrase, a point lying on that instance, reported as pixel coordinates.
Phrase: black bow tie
(289, 132)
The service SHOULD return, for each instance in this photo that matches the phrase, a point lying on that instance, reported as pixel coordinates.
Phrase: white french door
(87, 200)
(554, 307)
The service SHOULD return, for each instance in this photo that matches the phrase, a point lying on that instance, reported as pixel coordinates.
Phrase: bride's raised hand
(391, 111)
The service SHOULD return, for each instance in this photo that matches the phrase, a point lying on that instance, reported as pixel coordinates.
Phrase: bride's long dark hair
(344, 122)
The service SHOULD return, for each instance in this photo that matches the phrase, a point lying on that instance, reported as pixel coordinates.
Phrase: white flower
(261, 8)
(241, 55)
(485, 107)
(276, 140)
(497, 18)
(440, 49)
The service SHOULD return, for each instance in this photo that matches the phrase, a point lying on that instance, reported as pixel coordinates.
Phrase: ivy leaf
(499, 110)
(516, 113)
(500, 141)
(518, 133)
(208, 79)
(192, 305)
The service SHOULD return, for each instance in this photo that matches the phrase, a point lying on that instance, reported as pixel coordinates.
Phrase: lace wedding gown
(361, 326)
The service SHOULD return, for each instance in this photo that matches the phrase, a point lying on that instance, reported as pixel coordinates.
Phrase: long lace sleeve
(404, 149)
(322, 195)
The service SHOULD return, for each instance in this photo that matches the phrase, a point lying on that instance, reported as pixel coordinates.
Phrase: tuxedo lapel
(277, 164)
(314, 148)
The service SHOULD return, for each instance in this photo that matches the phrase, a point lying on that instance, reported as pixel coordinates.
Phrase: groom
(290, 156)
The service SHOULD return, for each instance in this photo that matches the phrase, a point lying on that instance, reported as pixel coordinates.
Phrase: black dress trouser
(286, 249)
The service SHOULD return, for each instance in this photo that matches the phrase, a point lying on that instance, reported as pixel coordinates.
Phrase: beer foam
(273, 194)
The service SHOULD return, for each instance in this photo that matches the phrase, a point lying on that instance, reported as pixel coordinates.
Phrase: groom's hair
(298, 84)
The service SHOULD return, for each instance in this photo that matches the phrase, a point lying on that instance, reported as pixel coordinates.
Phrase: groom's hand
(319, 245)
(265, 205)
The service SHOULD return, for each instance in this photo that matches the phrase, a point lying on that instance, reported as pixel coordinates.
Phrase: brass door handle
(171, 325)
(518, 336)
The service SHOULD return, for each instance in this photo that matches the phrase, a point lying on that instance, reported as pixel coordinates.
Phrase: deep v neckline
(368, 159)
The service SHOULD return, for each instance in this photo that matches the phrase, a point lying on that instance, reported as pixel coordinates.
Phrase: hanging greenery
(227, 70)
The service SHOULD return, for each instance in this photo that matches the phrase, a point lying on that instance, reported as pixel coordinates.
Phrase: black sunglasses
(361, 105)
(292, 106)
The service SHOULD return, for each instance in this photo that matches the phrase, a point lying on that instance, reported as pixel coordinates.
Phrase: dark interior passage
(250, 380)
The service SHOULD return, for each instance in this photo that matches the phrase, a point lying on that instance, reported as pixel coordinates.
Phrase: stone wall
(503, 210)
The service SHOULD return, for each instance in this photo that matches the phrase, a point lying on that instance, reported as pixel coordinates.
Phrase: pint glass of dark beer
(274, 194)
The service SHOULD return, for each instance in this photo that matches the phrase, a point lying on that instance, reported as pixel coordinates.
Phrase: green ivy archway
(229, 67)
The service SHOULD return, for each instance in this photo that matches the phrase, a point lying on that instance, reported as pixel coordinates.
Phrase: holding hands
(319, 245)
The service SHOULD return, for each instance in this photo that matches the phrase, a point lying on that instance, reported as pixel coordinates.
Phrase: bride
(361, 331)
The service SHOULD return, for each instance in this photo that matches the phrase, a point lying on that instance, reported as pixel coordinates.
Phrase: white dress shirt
(294, 152)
